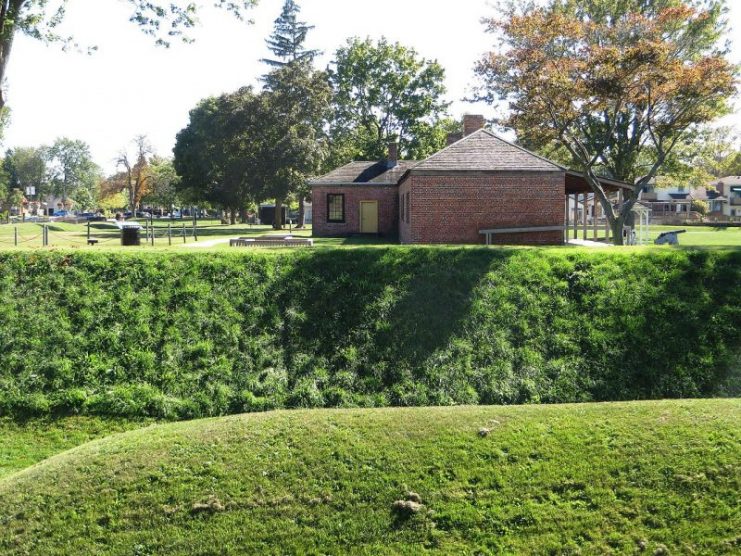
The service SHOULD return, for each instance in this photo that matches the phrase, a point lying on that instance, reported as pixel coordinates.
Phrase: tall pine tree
(287, 40)
(293, 77)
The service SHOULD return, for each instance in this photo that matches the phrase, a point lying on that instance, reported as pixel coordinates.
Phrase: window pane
(335, 208)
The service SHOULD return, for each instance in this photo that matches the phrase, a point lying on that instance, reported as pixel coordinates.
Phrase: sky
(130, 87)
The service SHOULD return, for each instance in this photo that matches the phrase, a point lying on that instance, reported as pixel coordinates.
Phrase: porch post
(576, 215)
(585, 208)
(595, 204)
(566, 220)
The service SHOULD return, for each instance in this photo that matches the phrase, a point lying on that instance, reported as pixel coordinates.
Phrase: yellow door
(368, 217)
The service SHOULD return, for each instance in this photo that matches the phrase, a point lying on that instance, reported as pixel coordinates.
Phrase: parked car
(92, 216)
(62, 213)
(139, 214)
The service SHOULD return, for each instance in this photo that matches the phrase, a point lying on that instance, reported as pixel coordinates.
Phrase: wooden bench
(271, 241)
(532, 229)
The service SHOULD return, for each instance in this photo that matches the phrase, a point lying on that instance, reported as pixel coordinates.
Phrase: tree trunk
(243, 215)
(301, 211)
(278, 216)
(616, 227)
(232, 217)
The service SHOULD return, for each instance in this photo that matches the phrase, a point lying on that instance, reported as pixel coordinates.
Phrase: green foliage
(26, 167)
(214, 161)
(185, 335)
(72, 173)
(162, 190)
(245, 147)
(287, 40)
(617, 83)
(385, 91)
(628, 478)
(703, 156)
(698, 205)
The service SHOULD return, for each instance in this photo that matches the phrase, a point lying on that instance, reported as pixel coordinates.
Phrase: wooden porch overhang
(577, 183)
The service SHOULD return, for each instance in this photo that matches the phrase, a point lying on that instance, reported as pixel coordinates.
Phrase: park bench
(669, 238)
(488, 234)
(271, 241)
(92, 241)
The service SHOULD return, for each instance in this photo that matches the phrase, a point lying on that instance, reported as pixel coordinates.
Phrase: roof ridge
(495, 136)
(441, 151)
(515, 145)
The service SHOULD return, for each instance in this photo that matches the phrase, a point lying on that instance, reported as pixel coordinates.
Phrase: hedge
(187, 335)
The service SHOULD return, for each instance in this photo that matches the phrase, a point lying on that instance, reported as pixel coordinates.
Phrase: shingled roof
(365, 173)
(483, 151)
(480, 151)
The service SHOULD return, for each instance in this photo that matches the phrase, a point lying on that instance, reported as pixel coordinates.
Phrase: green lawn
(210, 232)
(696, 236)
(210, 235)
(653, 477)
(25, 443)
(701, 236)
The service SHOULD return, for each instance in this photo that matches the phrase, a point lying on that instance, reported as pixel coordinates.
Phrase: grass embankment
(182, 336)
(652, 477)
(25, 443)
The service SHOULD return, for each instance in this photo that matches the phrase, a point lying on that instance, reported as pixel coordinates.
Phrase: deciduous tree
(163, 190)
(135, 175)
(618, 83)
(382, 91)
(26, 167)
(217, 154)
(245, 147)
(72, 173)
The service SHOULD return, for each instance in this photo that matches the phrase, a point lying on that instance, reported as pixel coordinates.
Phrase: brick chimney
(472, 123)
(393, 158)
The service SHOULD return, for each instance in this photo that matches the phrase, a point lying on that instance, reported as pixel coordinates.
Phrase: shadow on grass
(382, 312)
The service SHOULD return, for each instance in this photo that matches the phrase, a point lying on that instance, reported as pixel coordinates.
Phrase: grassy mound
(189, 335)
(24, 443)
(598, 478)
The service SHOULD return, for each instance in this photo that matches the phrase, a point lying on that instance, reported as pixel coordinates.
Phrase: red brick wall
(388, 207)
(452, 209)
(405, 224)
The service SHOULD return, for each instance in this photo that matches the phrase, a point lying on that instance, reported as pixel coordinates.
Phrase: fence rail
(152, 233)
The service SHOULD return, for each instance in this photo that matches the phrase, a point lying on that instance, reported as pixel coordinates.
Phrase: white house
(728, 200)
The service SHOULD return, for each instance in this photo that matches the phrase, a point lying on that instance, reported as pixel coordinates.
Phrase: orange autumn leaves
(556, 67)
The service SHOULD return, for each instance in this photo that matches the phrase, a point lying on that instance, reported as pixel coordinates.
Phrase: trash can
(130, 235)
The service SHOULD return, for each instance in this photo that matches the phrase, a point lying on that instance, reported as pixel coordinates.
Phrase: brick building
(480, 182)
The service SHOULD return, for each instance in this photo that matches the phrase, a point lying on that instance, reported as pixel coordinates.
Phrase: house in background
(479, 188)
(674, 204)
(729, 190)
